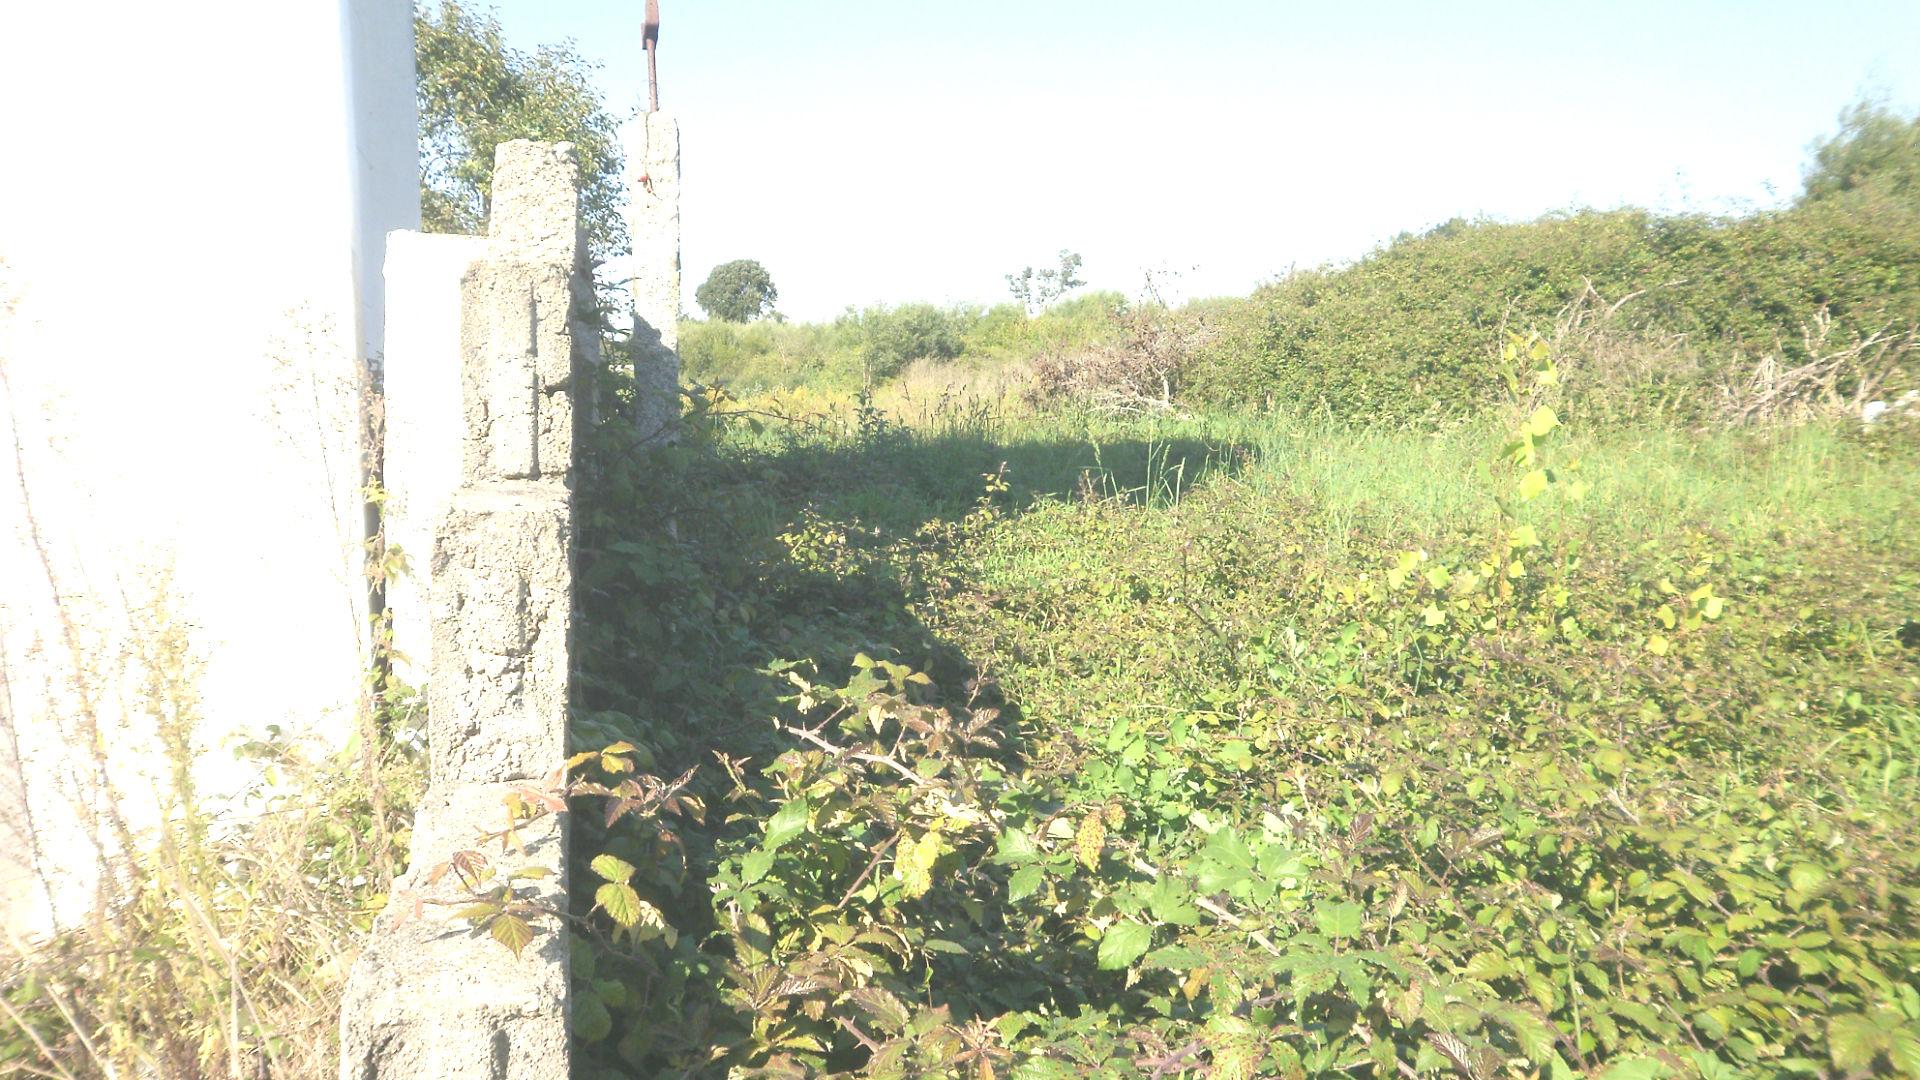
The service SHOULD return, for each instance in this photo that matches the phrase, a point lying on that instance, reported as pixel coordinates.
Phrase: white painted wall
(193, 211)
(425, 430)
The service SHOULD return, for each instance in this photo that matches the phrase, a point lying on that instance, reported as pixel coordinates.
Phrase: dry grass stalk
(1834, 380)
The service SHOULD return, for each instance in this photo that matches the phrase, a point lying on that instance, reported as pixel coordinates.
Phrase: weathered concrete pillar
(653, 220)
(430, 999)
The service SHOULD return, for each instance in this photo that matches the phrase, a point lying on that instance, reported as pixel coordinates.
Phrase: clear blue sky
(890, 150)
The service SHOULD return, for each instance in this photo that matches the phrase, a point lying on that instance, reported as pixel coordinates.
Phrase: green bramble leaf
(1124, 943)
(1169, 902)
(1340, 920)
(1024, 883)
(786, 823)
(1903, 1048)
(1016, 848)
(591, 1020)
(1638, 1068)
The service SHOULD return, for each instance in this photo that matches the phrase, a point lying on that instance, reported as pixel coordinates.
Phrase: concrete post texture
(430, 999)
(653, 191)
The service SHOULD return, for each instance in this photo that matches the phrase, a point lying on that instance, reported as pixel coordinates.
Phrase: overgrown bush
(1411, 331)
(1145, 368)
(891, 338)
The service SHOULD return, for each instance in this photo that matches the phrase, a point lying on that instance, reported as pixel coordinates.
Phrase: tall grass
(1648, 481)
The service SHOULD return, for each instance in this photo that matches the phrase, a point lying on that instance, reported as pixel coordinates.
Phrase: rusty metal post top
(650, 40)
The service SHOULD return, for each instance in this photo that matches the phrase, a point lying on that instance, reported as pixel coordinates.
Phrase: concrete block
(510, 308)
(432, 998)
(653, 190)
(535, 214)
(502, 609)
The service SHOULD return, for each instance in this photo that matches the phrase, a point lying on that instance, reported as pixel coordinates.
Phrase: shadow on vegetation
(702, 569)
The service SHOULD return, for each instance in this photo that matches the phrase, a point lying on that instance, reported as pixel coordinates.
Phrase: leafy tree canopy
(1875, 147)
(738, 291)
(476, 91)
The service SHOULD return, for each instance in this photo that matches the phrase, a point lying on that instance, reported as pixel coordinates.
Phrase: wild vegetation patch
(1076, 746)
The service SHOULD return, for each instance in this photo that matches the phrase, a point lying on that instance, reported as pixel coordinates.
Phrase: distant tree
(475, 92)
(738, 291)
(1874, 147)
(1038, 288)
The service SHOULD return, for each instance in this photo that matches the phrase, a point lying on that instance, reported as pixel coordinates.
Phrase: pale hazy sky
(890, 150)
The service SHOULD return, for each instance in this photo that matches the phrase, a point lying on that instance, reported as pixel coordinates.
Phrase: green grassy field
(1260, 746)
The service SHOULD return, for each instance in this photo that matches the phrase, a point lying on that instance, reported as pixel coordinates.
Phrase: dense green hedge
(1411, 330)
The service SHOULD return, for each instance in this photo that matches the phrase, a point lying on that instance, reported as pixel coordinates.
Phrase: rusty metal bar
(650, 39)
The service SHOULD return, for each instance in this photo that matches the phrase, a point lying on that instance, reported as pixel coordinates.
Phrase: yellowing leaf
(512, 931)
(1524, 536)
(619, 901)
(1433, 616)
(914, 864)
(1090, 840)
(610, 868)
(1541, 423)
(1531, 485)
(1657, 645)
